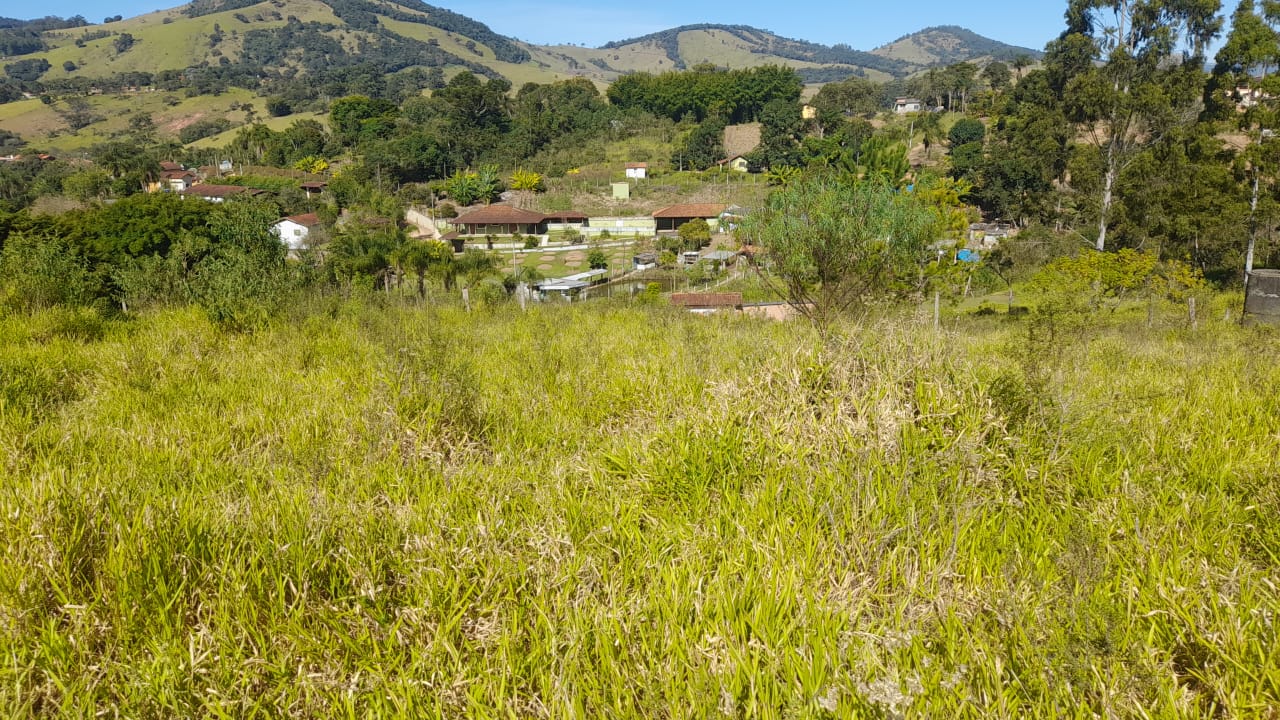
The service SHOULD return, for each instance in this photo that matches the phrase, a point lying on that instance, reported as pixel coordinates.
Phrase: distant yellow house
(737, 163)
(173, 178)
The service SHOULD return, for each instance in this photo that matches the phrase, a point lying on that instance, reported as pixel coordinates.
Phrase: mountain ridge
(393, 35)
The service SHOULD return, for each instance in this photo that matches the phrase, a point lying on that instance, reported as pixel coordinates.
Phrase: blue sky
(863, 24)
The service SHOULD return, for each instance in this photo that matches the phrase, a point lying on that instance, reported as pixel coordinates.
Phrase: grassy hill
(241, 41)
(948, 44)
(210, 33)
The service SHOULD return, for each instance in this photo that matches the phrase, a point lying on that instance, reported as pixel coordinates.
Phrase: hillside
(301, 35)
(314, 36)
(948, 44)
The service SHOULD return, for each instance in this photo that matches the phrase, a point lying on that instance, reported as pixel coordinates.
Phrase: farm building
(507, 220)
(669, 219)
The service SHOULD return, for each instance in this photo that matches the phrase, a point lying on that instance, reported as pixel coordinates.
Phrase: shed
(724, 257)
(669, 219)
(637, 171)
(314, 187)
(1262, 296)
(904, 105)
(561, 288)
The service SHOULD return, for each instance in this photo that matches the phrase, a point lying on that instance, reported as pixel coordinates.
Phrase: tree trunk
(1108, 192)
(1253, 229)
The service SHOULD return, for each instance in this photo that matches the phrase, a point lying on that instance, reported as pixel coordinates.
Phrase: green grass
(275, 123)
(43, 127)
(183, 42)
(374, 510)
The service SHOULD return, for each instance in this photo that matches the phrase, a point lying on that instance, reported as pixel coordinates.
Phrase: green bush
(41, 272)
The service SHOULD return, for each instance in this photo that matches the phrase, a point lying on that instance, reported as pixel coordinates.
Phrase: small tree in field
(694, 234)
(834, 244)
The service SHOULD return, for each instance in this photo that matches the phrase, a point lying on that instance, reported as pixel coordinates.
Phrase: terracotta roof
(707, 300)
(170, 166)
(314, 185)
(219, 191)
(691, 210)
(176, 174)
(500, 215)
(637, 166)
(305, 219)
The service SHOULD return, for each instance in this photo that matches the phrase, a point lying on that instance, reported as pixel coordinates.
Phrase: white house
(637, 171)
(294, 230)
(904, 105)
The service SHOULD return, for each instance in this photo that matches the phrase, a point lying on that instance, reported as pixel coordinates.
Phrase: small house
(904, 105)
(174, 179)
(737, 163)
(294, 230)
(637, 171)
(985, 236)
(669, 219)
(501, 220)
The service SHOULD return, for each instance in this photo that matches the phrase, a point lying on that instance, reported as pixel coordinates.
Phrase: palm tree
(417, 256)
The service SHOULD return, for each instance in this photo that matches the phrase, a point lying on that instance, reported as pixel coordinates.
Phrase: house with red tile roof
(669, 219)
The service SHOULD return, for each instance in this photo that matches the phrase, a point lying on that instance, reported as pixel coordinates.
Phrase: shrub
(527, 180)
(965, 131)
(41, 272)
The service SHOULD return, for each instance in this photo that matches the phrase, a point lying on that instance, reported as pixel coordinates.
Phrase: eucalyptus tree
(1144, 77)
(1244, 78)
